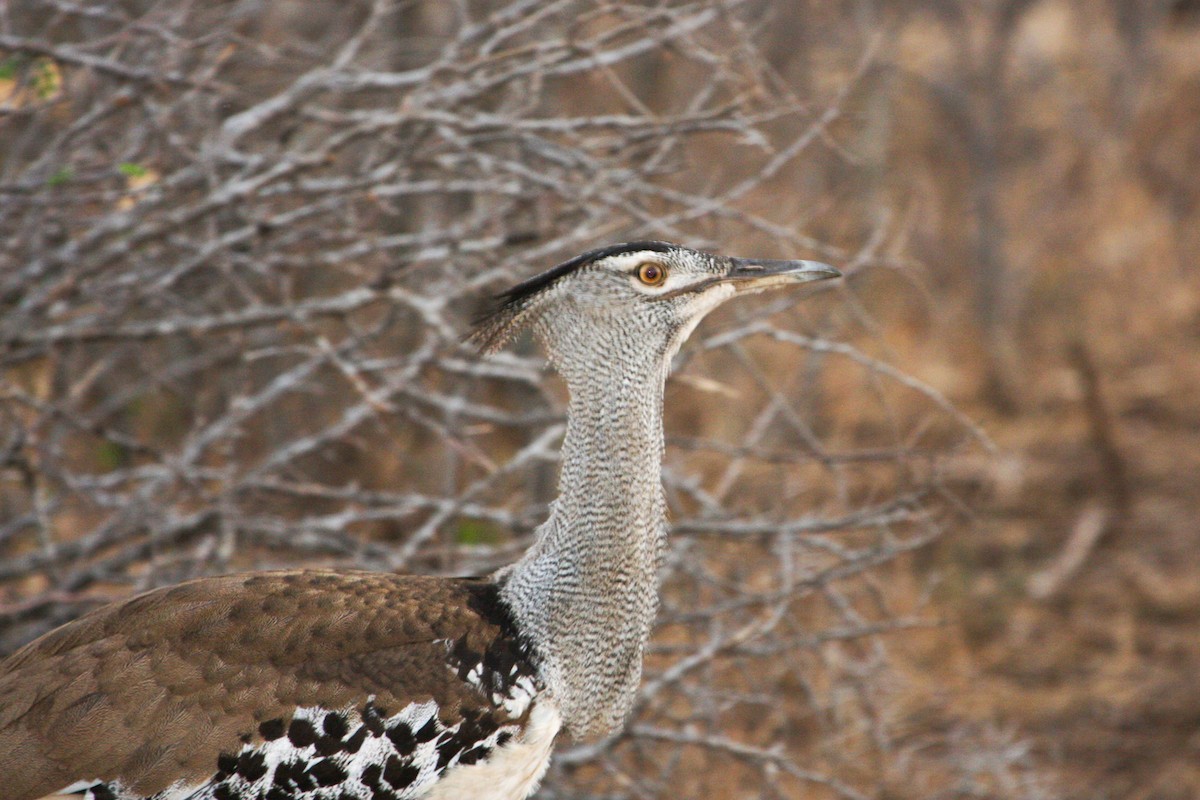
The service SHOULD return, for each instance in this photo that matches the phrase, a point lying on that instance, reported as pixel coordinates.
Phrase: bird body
(323, 684)
(302, 681)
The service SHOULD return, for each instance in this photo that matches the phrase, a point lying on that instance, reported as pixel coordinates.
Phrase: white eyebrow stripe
(629, 261)
(677, 282)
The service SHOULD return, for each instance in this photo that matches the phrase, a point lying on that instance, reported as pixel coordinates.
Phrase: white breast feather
(513, 771)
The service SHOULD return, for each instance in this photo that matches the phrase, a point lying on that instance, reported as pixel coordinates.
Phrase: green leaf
(476, 531)
(46, 81)
(110, 455)
(9, 67)
(132, 170)
(61, 176)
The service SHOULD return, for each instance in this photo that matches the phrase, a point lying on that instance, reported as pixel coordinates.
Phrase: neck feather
(586, 593)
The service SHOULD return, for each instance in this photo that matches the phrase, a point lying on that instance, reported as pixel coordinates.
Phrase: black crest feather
(504, 319)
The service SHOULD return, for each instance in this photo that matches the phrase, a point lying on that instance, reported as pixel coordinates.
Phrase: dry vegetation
(241, 243)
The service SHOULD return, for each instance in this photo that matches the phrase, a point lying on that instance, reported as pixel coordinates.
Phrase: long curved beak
(755, 274)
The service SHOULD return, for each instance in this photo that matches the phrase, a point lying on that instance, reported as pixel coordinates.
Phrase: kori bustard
(351, 684)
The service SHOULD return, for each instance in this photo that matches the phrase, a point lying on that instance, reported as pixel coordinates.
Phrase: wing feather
(216, 682)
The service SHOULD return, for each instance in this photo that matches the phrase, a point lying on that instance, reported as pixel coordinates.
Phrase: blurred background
(935, 529)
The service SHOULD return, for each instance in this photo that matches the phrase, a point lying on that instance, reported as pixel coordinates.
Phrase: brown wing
(162, 686)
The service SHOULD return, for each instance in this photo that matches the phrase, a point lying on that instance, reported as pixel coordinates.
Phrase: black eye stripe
(698, 286)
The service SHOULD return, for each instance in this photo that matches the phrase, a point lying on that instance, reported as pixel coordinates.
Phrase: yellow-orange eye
(652, 274)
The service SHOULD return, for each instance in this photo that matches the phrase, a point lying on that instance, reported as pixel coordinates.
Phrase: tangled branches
(241, 246)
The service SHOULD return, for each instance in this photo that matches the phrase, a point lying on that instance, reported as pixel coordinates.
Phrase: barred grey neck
(587, 591)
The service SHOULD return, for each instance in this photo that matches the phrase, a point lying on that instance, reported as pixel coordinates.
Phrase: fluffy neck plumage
(587, 591)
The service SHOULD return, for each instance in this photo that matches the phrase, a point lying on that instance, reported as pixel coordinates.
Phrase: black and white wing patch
(354, 754)
(365, 754)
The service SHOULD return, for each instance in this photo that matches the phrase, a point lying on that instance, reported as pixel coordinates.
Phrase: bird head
(633, 299)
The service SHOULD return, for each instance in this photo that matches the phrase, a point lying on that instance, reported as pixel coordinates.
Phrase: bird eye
(652, 274)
